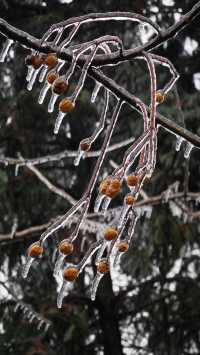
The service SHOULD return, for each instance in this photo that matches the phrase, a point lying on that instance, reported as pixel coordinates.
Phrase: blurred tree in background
(154, 306)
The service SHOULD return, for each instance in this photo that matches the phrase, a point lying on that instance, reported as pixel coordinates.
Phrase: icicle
(32, 80)
(17, 306)
(95, 285)
(101, 251)
(86, 258)
(52, 103)
(105, 204)
(80, 154)
(61, 294)
(95, 91)
(8, 43)
(17, 169)
(149, 211)
(58, 264)
(27, 266)
(188, 150)
(58, 122)
(32, 318)
(29, 73)
(98, 202)
(40, 324)
(43, 92)
(43, 73)
(179, 142)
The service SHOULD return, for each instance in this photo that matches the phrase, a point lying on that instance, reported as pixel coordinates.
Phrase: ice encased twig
(6, 47)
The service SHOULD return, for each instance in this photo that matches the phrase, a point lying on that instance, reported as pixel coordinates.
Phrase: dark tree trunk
(106, 304)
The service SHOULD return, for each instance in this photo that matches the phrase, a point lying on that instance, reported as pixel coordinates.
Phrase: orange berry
(85, 146)
(122, 246)
(66, 248)
(51, 77)
(60, 87)
(110, 234)
(102, 266)
(159, 97)
(129, 200)
(104, 185)
(51, 60)
(35, 250)
(132, 180)
(110, 187)
(115, 184)
(70, 273)
(66, 106)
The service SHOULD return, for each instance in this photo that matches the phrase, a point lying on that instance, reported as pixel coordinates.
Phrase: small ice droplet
(188, 150)
(58, 122)
(7, 44)
(16, 170)
(27, 266)
(95, 285)
(78, 157)
(43, 92)
(52, 103)
(179, 141)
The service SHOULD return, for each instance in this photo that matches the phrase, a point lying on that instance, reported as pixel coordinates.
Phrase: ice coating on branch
(43, 92)
(6, 47)
(52, 102)
(123, 215)
(188, 150)
(95, 285)
(95, 91)
(58, 122)
(179, 142)
(27, 266)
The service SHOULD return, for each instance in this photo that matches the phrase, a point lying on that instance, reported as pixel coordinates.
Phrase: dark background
(151, 314)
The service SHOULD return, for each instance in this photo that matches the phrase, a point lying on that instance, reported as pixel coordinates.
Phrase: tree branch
(31, 42)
